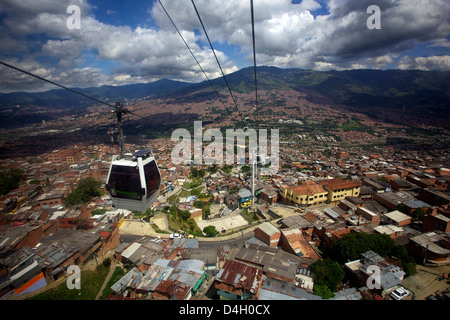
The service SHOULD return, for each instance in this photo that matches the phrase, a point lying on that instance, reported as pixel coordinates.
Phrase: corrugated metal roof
(274, 289)
(240, 275)
(415, 204)
(131, 249)
(188, 272)
(347, 294)
(122, 283)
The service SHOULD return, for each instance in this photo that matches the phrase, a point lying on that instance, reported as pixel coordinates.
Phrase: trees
(195, 173)
(327, 274)
(86, 190)
(213, 168)
(210, 231)
(351, 245)
(185, 215)
(10, 180)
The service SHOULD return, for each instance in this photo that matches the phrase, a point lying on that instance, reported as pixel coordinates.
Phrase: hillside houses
(310, 203)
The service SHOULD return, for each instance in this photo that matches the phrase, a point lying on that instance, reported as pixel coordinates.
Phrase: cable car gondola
(133, 179)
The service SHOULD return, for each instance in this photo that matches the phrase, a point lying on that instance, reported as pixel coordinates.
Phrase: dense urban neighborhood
(339, 223)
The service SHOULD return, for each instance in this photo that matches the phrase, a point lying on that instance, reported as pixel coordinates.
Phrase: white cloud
(425, 63)
(287, 35)
(380, 62)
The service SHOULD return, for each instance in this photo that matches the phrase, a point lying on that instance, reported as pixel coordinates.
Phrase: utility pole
(425, 256)
(254, 167)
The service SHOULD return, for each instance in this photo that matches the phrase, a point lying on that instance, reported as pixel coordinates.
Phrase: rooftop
(299, 244)
(431, 241)
(77, 238)
(309, 189)
(338, 184)
(297, 222)
(272, 260)
(397, 216)
(240, 275)
(268, 228)
(274, 289)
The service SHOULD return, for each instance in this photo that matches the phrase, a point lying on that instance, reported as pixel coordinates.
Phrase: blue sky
(122, 42)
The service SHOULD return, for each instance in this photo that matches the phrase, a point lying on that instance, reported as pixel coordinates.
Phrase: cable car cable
(217, 60)
(254, 59)
(69, 89)
(254, 65)
(196, 60)
(56, 84)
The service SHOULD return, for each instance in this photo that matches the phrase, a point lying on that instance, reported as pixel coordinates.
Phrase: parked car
(175, 235)
(399, 293)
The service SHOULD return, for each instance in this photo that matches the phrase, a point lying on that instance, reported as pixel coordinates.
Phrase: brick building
(430, 246)
(268, 234)
(437, 222)
(434, 197)
(397, 218)
(293, 241)
(51, 199)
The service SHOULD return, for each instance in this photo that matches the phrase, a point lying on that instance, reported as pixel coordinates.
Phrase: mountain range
(360, 90)
(354, 88)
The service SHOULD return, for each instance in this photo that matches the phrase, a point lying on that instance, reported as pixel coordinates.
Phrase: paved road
(237, 241)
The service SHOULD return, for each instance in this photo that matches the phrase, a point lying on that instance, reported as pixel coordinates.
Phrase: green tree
(419, 213)
(323, 291)
(227, 168)
(185, 215)
(213, 168)
(173, 210)
(199, 204)
(107, 262)
(194, 172)
(173, 199)
(206, 212)
(86, 190)
(202, 173)
(210, 231)
(10, 179)
(351, 245)
(327, 272)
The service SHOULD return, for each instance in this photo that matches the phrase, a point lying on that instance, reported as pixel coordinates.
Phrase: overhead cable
(196, 60)
(217, 60)
(64, 87)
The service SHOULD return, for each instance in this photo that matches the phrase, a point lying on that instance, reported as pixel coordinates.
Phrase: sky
(123, 42)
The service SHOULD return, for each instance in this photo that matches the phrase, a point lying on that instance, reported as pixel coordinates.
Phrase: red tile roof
(338, 184)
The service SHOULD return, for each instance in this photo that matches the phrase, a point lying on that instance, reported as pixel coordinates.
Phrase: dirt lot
(426, 281)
